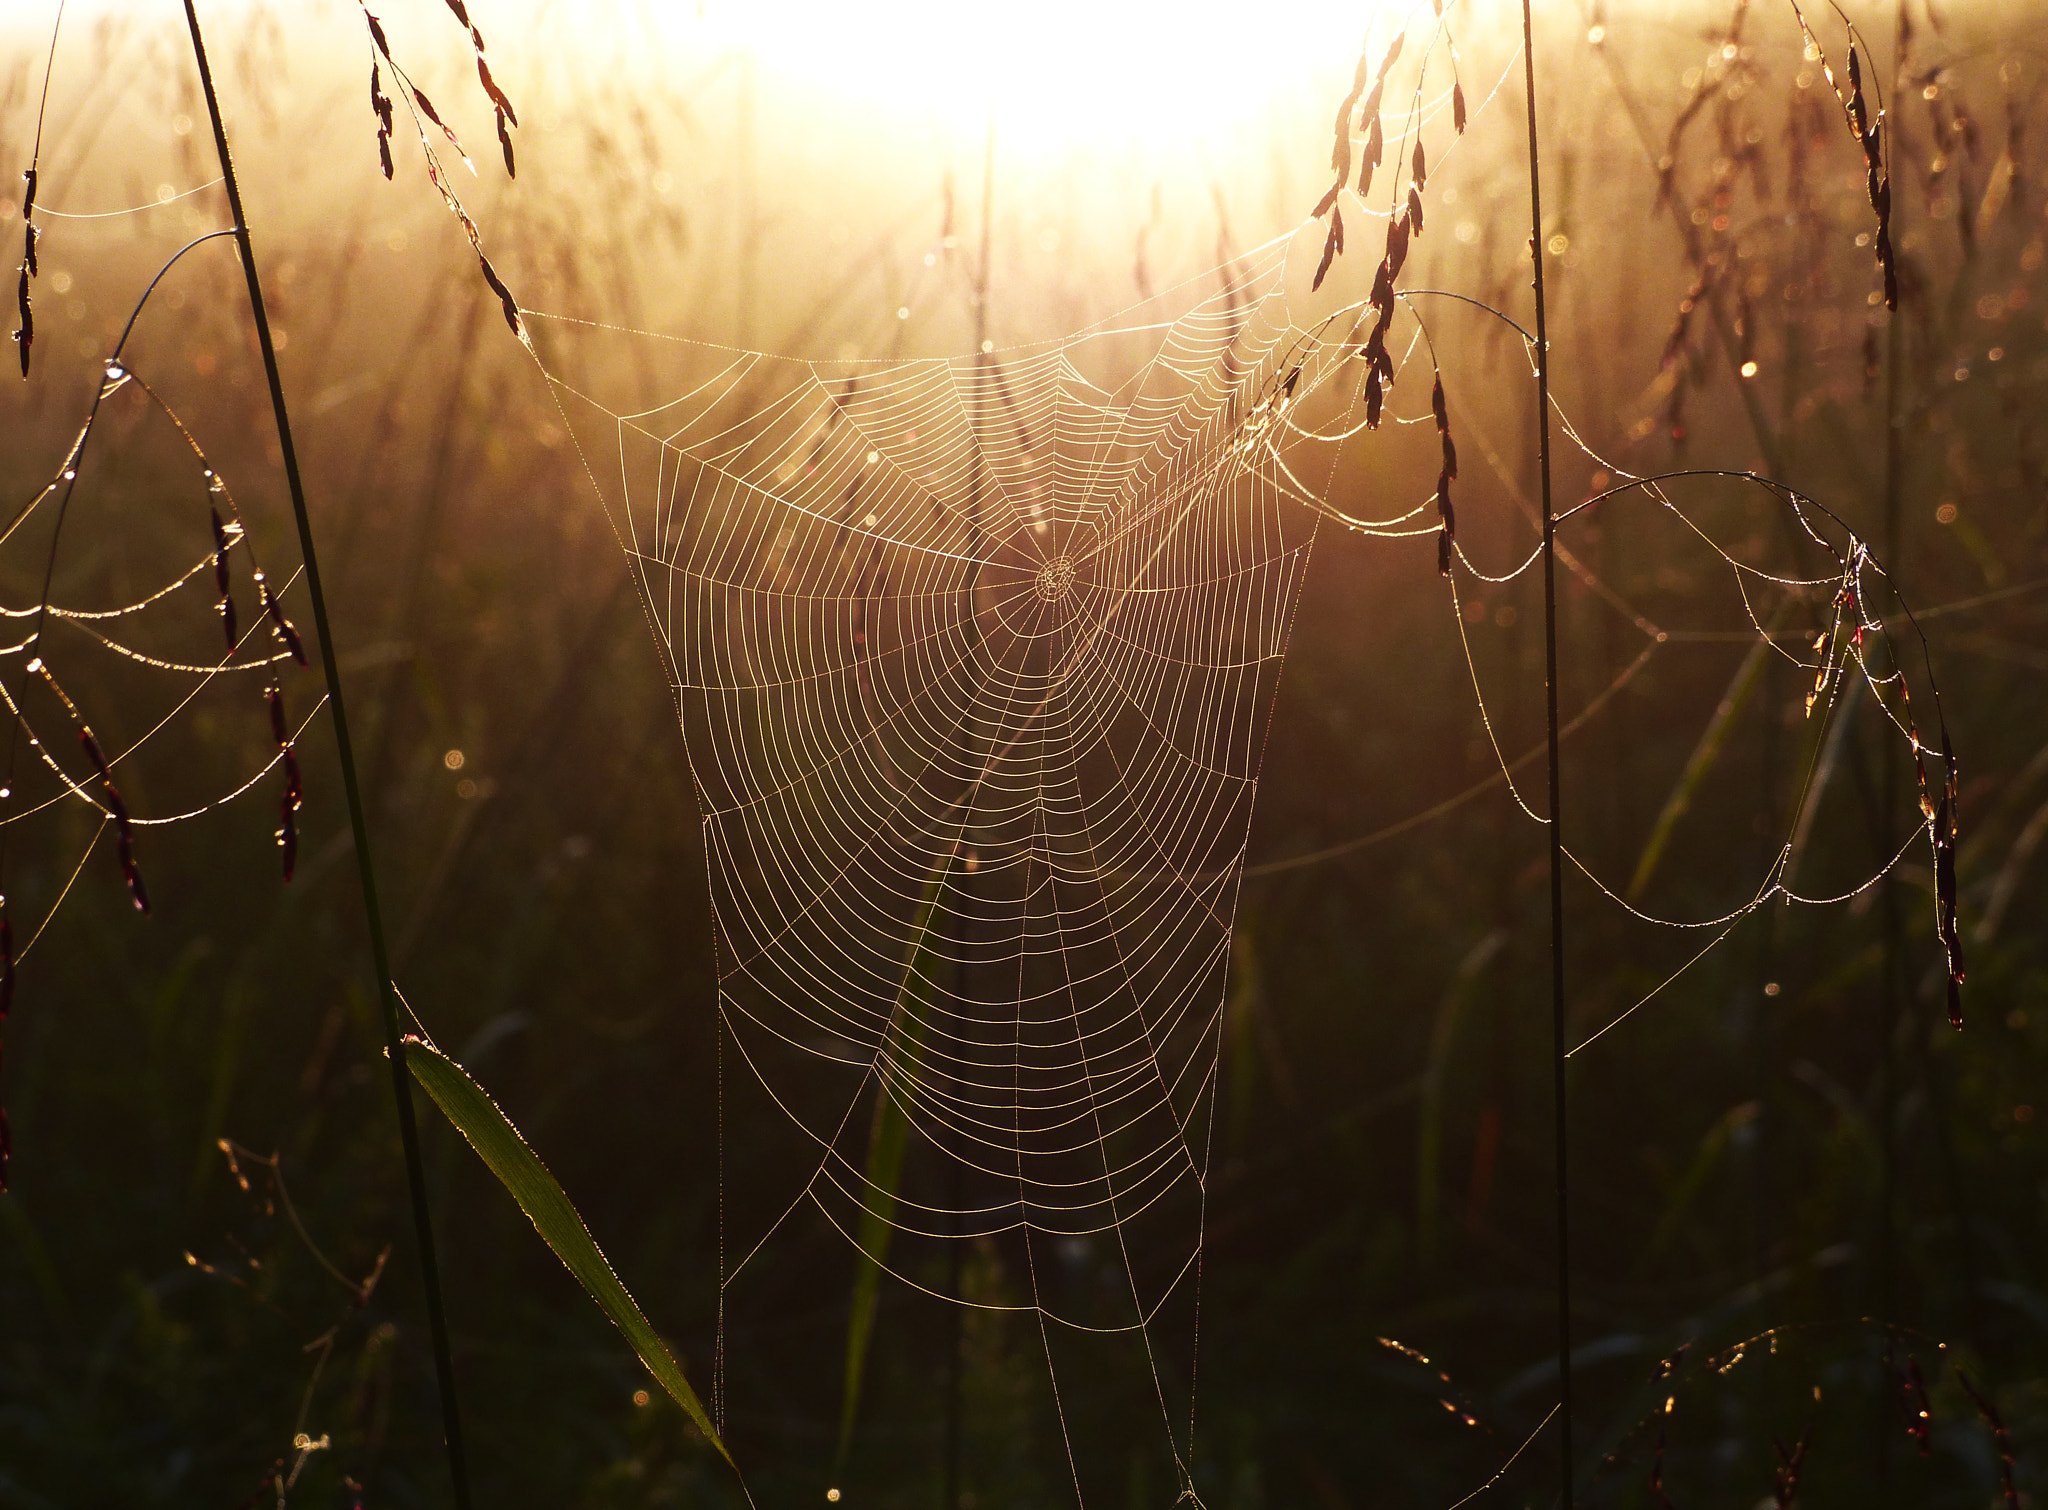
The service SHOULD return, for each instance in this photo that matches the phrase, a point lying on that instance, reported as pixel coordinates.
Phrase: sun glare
(1057, 73)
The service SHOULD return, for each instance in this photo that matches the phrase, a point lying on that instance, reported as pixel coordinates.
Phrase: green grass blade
(519, 1169)
(885, 1168)
(1704, 756)
(887, 1141)
(1429, 1123)
(1712, 1151)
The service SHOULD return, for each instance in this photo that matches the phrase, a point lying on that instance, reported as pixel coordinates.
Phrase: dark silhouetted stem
(949, 1478)
(1894, 940)
(1892, 962)
(1557, 1025)
(408, 1127)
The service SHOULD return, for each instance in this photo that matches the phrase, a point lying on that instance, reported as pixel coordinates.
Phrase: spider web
(181, 639)
(974, 659)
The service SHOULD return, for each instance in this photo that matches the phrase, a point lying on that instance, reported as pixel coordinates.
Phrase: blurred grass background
(1382, 1166)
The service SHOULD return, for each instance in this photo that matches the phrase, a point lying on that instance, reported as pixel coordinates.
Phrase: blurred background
(1787, 1139)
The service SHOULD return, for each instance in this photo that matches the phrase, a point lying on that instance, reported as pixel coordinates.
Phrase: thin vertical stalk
(1557, 1023)
(956, 1359)
(1890, 929)
(401, 1087)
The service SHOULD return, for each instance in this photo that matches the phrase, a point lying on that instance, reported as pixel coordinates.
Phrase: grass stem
(956, 1356)
(1557, 1022)
(408, 1127)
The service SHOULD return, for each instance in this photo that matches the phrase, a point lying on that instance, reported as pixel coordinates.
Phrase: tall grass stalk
(1557, 1022)
(408, 1127)
(956, 1357)
(1892, 932)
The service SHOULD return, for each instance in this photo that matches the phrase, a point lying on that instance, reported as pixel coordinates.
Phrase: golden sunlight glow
(1052, 73)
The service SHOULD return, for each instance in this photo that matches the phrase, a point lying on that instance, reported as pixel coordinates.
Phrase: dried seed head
(380, 107)
(1332, 245)
(1397, 247)
(91, 746)
(138, 892)
(293, 795)
(511, 306)
(1785, 1476)
(497, 95)
(1919, 1417)
(25, 334)
(1369, 348)
(1446, 515)
(1383, 286)
(1369, 111)
(1375, 150)
(117, 810)
(288, 836)
(222, 541)
(1340, 147)
(1943, 826)
(1858, 114)
(282, 626)
(2000, 1436)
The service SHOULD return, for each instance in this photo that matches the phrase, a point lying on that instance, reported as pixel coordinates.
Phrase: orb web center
(1055, 579)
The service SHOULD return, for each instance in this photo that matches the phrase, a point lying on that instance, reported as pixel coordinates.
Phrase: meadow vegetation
(204, 1252)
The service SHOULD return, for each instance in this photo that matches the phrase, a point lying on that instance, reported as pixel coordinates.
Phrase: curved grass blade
(1429, 1130)
(1705, 755)
(886, 1143)
(1712, 1152)
(519, 1169)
